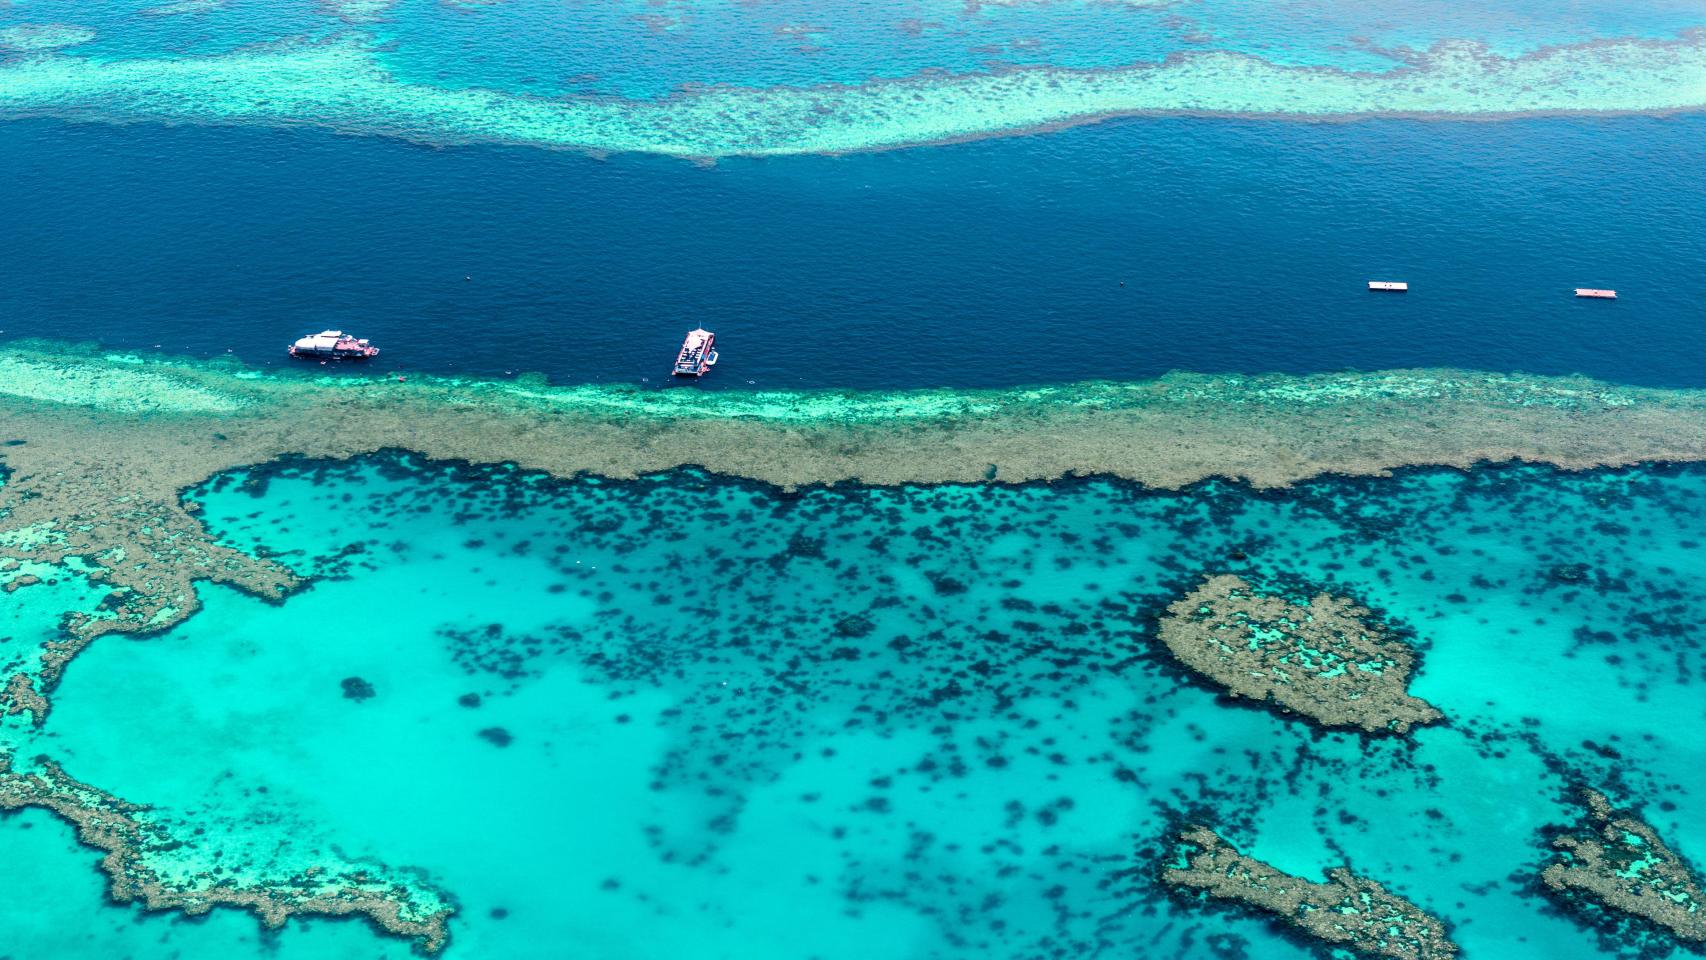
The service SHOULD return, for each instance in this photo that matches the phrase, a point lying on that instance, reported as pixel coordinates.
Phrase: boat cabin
(333, 345)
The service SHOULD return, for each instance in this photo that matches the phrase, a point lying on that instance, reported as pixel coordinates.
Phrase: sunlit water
(686, 717)
(1119, 251)
(716, 720)
(647, 48)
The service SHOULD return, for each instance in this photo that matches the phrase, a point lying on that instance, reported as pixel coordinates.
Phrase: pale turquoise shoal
(338, 82)
(643, 48)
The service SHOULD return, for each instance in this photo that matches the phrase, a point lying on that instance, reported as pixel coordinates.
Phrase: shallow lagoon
(650, 48)
(921, 722)
(721, 79)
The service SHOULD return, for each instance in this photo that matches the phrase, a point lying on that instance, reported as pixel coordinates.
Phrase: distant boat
(332, 345)
(696, 356)
(1395, 286)
(1592, 294)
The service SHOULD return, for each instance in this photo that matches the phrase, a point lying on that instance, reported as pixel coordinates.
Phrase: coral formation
(341, 82)
(1346, 911)
(20, 696)
(1324, 657)
(357, 11)
(1618, 862)
(174, 8)
(43, 37)
(122, 831)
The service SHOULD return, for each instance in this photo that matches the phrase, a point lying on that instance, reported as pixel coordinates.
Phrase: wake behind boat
(332, 345)
(697, 354)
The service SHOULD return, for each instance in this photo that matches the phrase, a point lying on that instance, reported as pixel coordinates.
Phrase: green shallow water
(716, 720)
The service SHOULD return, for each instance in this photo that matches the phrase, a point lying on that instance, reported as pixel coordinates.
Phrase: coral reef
(1346, 911)
(99, 450)
(357, 11)
(20, 696)
(174, 8)
(341, 82)
(1616, 861)
(121, 830)
(43, 37)
(101, 447)
(1324, 657)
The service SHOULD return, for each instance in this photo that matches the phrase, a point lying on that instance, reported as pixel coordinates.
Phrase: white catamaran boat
(696, 356)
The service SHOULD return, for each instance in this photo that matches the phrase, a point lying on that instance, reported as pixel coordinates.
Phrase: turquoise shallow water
(648, 48)
(715, 720)
(718, 80)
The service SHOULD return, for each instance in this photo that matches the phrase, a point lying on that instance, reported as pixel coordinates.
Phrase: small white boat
(1394, 286)
(697, 354)
(332, 345)
(1592, 294)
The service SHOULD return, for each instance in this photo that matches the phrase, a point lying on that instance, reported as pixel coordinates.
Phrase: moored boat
(333, 345)
(697, 354)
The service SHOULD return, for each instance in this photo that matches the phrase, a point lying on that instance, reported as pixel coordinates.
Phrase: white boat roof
(326, 340)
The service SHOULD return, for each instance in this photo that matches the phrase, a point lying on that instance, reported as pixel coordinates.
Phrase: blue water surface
(1120, 250)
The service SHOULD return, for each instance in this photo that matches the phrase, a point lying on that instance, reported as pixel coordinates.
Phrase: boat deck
(697, 354)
